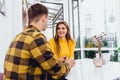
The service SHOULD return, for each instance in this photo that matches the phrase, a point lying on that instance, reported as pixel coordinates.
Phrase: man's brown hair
(36, 10)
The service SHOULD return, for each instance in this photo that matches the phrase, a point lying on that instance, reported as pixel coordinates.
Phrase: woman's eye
(63, 28)
(58, 29)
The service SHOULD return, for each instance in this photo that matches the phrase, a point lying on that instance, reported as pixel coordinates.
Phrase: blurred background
(86, 18)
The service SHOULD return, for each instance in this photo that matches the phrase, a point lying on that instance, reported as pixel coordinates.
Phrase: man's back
(30, 58)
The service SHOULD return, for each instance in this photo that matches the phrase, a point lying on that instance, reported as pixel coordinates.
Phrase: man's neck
(37, 26)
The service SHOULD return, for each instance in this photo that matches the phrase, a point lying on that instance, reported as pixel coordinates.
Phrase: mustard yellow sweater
(66, 48)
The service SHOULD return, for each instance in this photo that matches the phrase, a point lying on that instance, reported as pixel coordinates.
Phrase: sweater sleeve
(52, 45)
(41, 52)
(72, 47)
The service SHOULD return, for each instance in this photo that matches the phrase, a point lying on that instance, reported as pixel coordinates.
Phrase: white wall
(10, 26)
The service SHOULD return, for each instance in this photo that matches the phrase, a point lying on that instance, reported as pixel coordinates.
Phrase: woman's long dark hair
(56, 38)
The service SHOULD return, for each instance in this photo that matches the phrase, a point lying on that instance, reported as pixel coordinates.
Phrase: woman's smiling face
(61, 31)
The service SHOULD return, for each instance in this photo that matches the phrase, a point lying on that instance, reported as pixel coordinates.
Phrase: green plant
(90, 54)
(114, 57)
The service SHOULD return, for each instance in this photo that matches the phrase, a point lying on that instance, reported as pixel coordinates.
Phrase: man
(29, 56)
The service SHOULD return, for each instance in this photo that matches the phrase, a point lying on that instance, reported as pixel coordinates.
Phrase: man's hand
(71, 62)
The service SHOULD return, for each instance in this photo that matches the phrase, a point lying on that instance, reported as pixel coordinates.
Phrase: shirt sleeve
(41, 52)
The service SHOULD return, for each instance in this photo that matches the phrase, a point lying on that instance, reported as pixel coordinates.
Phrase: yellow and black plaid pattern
(29, 57)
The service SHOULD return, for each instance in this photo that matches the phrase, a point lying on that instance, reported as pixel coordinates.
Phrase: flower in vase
(97, 40)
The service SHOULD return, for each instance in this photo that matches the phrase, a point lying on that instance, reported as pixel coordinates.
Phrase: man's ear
(43, 18)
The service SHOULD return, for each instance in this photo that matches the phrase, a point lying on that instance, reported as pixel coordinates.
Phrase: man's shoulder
(33, 33)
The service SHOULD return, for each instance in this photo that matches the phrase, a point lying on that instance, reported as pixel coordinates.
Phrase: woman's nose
(61, 30)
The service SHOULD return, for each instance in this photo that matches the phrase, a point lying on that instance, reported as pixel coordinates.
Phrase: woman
(62, 44)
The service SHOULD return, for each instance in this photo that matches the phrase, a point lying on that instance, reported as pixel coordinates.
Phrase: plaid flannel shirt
(29, 57)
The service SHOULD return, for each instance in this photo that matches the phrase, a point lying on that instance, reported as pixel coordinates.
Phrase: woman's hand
(71, 62)
(63, 59)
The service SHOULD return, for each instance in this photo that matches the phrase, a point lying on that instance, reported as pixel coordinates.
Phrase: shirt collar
(32, 28)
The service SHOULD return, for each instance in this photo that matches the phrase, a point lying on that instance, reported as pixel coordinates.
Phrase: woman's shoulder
(72, 41)
(52, 40)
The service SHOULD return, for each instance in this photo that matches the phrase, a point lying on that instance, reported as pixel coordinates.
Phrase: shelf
(101, 48)
(78, 49)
